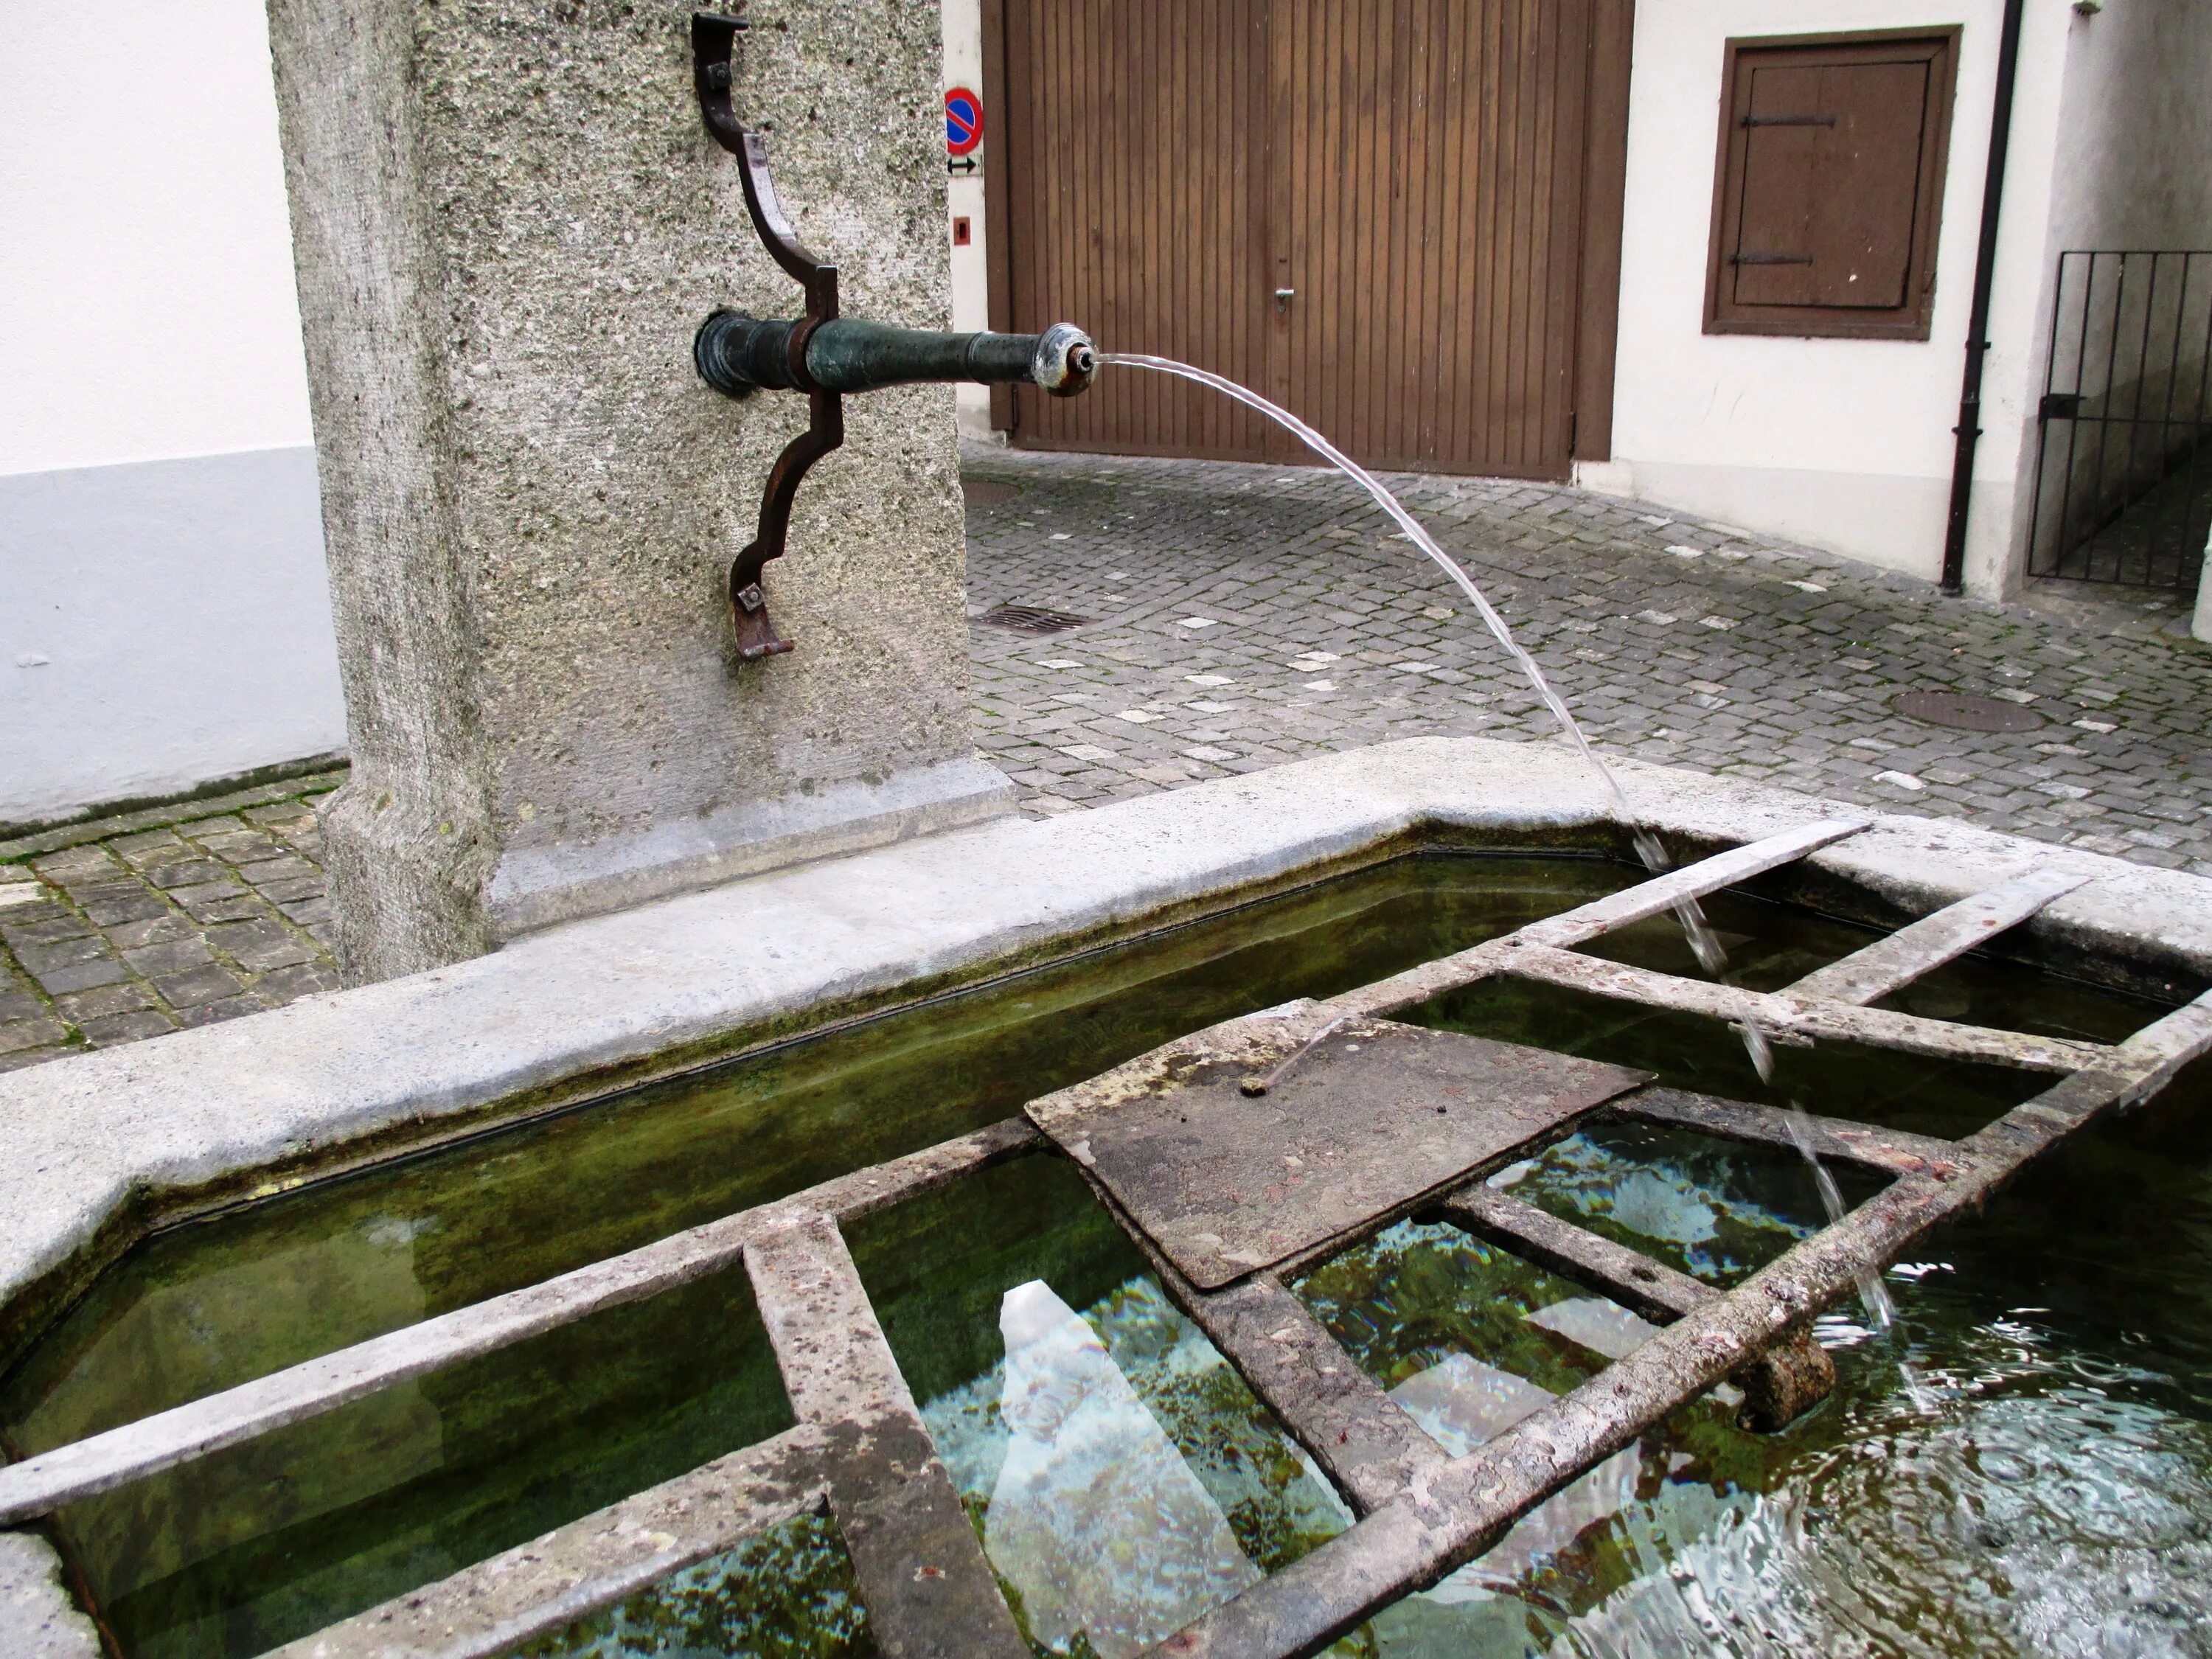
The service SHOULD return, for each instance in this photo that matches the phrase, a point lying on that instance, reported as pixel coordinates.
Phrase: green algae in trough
(2055, 1491)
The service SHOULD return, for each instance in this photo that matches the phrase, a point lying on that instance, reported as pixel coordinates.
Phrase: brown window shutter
(1831, 176)
(1830, 180)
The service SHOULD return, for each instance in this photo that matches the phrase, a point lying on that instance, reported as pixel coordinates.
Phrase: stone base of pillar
(508, 220)
(536, 887)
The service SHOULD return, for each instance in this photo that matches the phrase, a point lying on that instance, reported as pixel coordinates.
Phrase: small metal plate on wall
(1966, 713)
(1029, 619)
(1374, 1117)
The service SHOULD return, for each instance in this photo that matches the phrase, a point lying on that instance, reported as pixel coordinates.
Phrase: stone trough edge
(185, 1110)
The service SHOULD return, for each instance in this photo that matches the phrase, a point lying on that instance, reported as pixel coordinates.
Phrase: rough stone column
(508, 221)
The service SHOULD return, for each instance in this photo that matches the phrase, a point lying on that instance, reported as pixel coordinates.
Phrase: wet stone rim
(861, 1449)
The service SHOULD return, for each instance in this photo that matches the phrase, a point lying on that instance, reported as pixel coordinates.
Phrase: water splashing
(1712, 956)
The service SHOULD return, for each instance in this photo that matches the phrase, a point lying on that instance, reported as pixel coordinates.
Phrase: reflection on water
(1129, 1378)
(787, 1594)
(1094, 1519)
(1462, 1403)
(1598, 1326)
(2057, 1500)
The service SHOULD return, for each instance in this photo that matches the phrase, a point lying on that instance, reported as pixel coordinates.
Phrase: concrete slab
(36, 1618)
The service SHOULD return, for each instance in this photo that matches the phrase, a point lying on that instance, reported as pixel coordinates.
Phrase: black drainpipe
(1969, 429)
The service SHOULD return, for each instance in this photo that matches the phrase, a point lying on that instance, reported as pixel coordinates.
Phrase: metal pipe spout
(738, 356)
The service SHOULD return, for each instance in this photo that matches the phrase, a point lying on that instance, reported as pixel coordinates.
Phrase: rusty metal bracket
(714, 45)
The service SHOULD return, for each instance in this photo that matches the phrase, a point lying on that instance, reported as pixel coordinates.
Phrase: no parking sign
(963, 121)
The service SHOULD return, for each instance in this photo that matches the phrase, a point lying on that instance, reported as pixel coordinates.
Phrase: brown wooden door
(1416, 172)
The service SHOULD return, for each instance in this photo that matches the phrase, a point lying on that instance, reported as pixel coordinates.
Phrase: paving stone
(19, 1034)
(259, 945)
(203, 830)
(215, 902)
(198, 985)
(145, 844)
(172, 956)
(209, 1013)
(126, 1028)
(75, 863)
(240, 845)
(187, 872)
(111, 908)
(43, 924)
(123, 998)
(287, 879)
(134, 935)
(286, 985)
(80, 976)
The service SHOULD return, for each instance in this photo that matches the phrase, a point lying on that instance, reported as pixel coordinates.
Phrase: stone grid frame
(859, 1449)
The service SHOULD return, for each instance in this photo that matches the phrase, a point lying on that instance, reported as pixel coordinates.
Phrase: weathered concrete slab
(1359, 1120)
(37, 1618)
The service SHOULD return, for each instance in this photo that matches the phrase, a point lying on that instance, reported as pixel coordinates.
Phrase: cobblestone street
(112, 940)
(1248, 615)
(1240, 617)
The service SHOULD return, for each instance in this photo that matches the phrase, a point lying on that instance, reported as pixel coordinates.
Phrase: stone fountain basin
(101, 1147)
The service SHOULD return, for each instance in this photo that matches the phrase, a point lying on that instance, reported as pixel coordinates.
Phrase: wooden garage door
(1423, 175)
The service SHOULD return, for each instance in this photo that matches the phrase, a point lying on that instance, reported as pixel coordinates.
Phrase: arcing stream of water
(1703, 940)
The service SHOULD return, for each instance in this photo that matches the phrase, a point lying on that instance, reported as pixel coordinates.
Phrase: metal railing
(2123, 468)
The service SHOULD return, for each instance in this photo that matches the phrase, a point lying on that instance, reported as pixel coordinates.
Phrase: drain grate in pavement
(1966, 712)
(1029, 619)
(982, 492)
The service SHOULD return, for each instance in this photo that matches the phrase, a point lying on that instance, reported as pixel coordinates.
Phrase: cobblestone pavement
(1250, 615)
(1247, 616)
(111, 941)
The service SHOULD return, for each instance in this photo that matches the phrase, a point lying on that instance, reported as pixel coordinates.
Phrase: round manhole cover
(1967, 713)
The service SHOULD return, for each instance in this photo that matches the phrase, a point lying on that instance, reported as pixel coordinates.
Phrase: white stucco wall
(1842, 444)
(147, 260)
(164, 620)
(972, 292)
(2133, 162)
(2135, 130)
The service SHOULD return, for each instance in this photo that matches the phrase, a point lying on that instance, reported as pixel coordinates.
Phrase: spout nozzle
(1065, 360)
(738, 356)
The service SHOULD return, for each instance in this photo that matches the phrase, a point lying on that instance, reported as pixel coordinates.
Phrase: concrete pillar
(507, 223)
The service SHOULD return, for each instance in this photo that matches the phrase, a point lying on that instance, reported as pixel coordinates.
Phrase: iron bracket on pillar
(714, 45)
(821, 353)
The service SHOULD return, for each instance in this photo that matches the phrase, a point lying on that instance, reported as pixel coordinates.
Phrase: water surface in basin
(2061, 1488)
(255, 1545)
(2058, 1499)
(2055, 1497)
